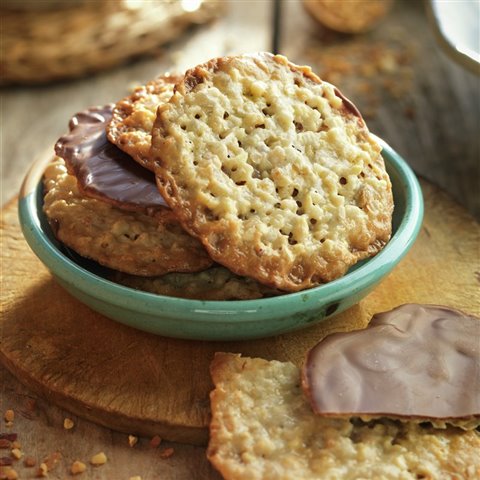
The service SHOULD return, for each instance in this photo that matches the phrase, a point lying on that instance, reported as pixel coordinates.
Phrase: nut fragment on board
(42, 471)
(16, 453)
(29, 462)
(77, 467)
(68, 424)
(98, 459)
(132, 440)
(9, 416)
(10, 474)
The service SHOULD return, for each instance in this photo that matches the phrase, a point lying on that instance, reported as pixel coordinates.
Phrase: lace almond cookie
(139, 243)
(133, 117)
(263, 428)
(273, 170)
(216, 283)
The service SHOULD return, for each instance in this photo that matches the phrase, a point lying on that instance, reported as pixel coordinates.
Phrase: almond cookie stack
(261, 168)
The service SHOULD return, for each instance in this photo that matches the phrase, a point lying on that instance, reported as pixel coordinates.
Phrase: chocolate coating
(102, 170)
(415, 361)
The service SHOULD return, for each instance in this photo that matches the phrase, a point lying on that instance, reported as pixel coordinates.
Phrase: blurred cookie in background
(41, 45)
(348, 16)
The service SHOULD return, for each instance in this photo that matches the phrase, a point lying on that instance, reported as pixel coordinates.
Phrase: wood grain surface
(422, 103)
(139, 383)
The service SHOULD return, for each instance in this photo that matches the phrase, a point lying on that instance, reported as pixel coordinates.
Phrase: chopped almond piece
(29, 462)
(132, 440)
(42, 470)
(99, 459)
(11, 474)
(77, 467)
(68, 424)
(9, 416)
(16, 453)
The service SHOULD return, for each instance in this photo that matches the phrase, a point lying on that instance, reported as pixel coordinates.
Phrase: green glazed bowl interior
(222, 320)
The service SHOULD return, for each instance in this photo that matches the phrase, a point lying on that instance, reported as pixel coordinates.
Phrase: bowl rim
(151, 304)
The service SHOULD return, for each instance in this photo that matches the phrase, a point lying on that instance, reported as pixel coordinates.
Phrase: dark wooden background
(411, 93)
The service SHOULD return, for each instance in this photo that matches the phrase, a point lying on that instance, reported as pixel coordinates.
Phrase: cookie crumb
(68, 424)
(77, 467)
(132, 440)
(16, 453)
(42, 471)
(29, 462)
(11, 474)
(9, 416)
(135, 477)
(52, 460)
(98, 459)
(167, 453)
(155, 441)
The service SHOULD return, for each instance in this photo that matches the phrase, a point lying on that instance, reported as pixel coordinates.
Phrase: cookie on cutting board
(263, 428)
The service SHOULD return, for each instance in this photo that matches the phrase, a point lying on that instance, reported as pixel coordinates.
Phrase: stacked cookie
(261, 168)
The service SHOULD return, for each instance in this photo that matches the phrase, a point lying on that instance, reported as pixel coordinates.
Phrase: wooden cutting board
(144, 384)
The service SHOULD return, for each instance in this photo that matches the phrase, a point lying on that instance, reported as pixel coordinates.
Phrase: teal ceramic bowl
(223, 320)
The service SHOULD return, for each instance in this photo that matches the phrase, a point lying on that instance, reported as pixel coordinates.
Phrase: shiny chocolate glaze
(102, 170)
(416, 361)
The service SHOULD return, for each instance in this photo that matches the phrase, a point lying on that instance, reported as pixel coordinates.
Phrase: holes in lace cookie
(343, 181)
(295, 193)
(313, 107)
(255, 174)
(260, 125)
(209, 215)
(240, 183)
(291, 240)
(183, 127)
(299, 209)
(313, 221)
(226, 115)
(298, 82)
(298, 126)
(197, 116)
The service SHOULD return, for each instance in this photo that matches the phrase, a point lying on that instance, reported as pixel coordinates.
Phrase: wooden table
(413, 96)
